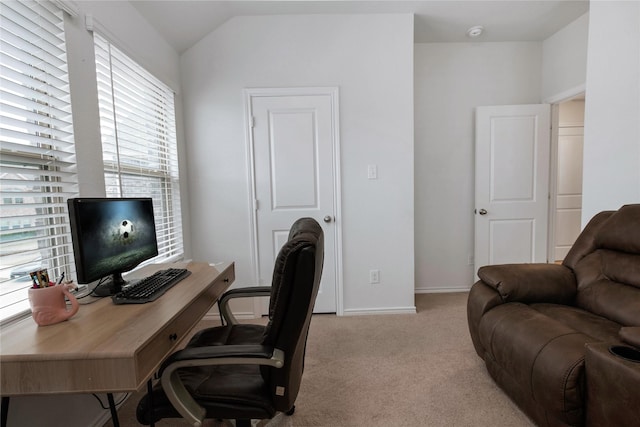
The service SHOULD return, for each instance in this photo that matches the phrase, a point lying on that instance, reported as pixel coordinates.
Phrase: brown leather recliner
(563, 341)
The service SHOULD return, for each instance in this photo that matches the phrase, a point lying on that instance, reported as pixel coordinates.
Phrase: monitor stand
(110, 286)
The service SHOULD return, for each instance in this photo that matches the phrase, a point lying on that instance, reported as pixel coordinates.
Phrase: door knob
(482, 212)
(327, 218)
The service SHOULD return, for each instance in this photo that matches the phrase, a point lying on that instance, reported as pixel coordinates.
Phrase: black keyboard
(150, 288)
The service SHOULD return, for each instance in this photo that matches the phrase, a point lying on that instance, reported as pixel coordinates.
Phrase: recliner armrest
(630, 335)
(251, 291)
(611, 387)
(530, 283)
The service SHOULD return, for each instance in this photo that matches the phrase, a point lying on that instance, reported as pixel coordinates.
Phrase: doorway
(566, 178)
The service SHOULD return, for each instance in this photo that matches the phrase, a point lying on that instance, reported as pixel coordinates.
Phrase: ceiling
(184, 22)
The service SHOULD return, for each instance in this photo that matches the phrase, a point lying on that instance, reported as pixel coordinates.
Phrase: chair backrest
(296, 279)
(606, 261)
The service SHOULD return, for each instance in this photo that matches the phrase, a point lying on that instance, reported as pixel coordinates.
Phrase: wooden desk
(108, 348)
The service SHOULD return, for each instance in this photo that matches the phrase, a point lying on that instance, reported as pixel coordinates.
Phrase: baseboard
(105, 414)
(389, 310)
(442, 290)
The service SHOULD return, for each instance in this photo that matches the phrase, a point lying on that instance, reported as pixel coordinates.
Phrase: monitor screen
(111, 236)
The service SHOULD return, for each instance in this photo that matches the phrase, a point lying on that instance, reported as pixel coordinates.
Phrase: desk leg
(150, 393)
(114, 412)
(5, 410)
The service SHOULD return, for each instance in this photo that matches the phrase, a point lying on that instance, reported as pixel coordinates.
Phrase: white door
(294, 143)
(512, 184)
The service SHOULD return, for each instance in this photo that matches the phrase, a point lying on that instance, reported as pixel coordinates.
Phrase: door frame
(555, 102)
(333, 93)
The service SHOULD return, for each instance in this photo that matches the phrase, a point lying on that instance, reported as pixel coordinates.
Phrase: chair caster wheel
(291, 411)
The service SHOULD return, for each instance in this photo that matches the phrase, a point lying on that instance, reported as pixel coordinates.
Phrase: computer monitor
(111, 236)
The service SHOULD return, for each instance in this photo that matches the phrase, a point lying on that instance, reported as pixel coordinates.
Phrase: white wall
(564, 63)
(612, 108)
(451, 80)
(370, 59)
(126, 28)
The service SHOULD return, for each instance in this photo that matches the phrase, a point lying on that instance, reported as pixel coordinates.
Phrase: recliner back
(296, 279)
(606, 261)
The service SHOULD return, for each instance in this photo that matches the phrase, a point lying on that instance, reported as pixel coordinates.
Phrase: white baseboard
(105, 414)
(211, 316)
(442, 290)
(386, 310)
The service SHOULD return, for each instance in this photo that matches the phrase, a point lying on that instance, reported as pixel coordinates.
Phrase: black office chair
(241, 371)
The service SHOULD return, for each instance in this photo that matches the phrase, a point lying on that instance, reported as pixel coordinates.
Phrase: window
(37, 159)
(139, 148)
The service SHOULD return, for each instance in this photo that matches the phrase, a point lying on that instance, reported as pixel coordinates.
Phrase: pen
(61, 278)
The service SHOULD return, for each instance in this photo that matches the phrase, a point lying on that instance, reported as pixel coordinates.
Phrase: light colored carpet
(390, 370)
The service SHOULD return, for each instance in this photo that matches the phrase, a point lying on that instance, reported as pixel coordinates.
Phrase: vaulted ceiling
(183, 22)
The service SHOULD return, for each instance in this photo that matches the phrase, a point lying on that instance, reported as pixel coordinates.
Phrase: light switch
(372, 172)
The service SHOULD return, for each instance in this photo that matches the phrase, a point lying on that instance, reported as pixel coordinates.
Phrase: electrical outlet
(372, 172)
(374, 276)
(470, 261)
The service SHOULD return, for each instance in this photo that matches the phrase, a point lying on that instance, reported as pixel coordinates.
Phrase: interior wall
(611, 174)
(564, 65)
(370, 59)
(451, 80)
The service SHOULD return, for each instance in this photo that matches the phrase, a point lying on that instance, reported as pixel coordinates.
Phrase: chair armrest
(252, 291)
(175, 389)
(631, 335)
(252, 354)
(529, 283)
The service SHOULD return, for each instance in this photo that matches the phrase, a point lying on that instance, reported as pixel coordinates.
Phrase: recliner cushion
(582, 321)
(608, 286)
(621, 231)
(543, 355)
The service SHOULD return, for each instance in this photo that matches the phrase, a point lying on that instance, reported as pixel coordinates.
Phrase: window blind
(37, 158)
(139, 147)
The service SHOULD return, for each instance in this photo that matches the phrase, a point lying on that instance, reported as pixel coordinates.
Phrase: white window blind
(139, 148)
(37, 158)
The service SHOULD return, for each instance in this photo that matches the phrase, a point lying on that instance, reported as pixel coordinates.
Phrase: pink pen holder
(48, 305)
